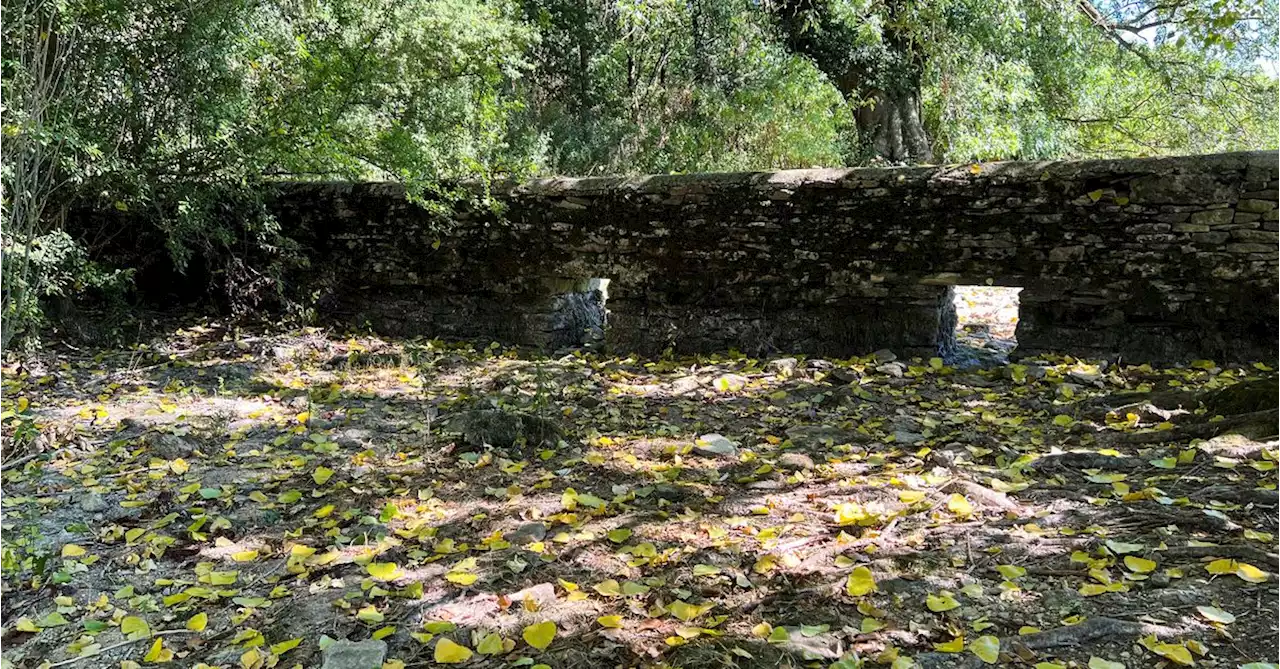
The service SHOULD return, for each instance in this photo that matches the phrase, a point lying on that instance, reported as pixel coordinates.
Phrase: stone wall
(1145, 259)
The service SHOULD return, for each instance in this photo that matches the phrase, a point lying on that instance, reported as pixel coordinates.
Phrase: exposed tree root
(1246, 397)
(1249, 408)
(1024, 647)
(1255, 556)
(1089, 630)
(1256, 423)
(1255, 496)
(1077, 460)
(1098, 407)
(984, 495)
(1190, 519)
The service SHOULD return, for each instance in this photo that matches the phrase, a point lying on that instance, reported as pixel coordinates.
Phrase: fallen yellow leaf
(1139, 565)
(860, 582)
(987, 648)
(540, 635)
(448, 652)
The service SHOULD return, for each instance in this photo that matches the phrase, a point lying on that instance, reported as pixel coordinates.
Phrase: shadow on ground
(704, 511)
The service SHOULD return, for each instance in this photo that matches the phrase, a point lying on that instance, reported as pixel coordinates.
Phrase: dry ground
(234, 499)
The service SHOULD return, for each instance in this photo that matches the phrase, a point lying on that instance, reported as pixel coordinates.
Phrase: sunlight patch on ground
(321, 485)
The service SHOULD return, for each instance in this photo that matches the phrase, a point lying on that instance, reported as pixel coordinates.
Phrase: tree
(905, 65)
(176, 111)
(35, 47)
(875, 63)
(674, 86)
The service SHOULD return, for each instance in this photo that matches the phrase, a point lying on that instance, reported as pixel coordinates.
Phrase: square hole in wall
(578, 317)
(986, 320)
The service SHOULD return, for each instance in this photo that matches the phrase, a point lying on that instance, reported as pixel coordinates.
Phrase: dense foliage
(234, 90)
(174, 110)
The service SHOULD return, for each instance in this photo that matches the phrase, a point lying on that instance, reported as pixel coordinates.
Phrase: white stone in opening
(578, 317)
(987, 317)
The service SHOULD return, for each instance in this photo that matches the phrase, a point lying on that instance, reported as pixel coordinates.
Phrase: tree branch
(1100, 22)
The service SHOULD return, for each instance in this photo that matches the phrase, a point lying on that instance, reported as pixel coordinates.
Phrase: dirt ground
(239, 498)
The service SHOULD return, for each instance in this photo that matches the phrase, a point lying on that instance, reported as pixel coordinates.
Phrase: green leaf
(539, 635)
(383, 571)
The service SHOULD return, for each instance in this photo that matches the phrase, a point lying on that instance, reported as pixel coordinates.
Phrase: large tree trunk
(889, 124)
(881, 83)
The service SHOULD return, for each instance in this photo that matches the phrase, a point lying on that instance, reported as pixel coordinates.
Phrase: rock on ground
(367, 654)
(715, 445)
(795, 461)
(503, 428)
(170, 446)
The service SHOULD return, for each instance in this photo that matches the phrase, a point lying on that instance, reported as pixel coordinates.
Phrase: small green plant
(26, 559)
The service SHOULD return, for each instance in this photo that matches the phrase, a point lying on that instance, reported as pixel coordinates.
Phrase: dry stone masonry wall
(1146, 259)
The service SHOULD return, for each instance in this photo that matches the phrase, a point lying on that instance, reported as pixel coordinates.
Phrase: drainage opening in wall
(986, 321)
(578, 316)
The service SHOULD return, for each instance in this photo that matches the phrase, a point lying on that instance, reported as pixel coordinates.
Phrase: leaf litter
(227, 499)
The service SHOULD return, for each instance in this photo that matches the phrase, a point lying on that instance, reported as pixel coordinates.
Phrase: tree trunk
(881, 83)
(889, 123)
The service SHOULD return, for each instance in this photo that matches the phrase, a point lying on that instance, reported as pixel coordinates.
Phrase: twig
(117, 645)
(126, 472)
(983, 494)
(1038, 571)
(19, 461)
(799, 543)
(768, 599)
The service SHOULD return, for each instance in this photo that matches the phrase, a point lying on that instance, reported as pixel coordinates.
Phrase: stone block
(1259, 236)
(1066, 254)
(1178, 188)
(1255, 206)
(1210, 237)
(1251, 248)
(1213, 217)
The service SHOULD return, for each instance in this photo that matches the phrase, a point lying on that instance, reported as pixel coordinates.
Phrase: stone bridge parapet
(1153, 259)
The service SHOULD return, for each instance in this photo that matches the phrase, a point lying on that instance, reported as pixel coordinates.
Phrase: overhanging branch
(1112, 33)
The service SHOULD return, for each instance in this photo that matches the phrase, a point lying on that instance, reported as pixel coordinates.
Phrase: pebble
(844, 375)
(668, 492)
(529, 533)
(894, 369)
(731, 383)
(907, 438)
(685, 385)
(93, 503)
(884, 355)
(795, 461)
(170, 446)
(783, 366)
(715, 445)
(1066, 391)
(1086, 378)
